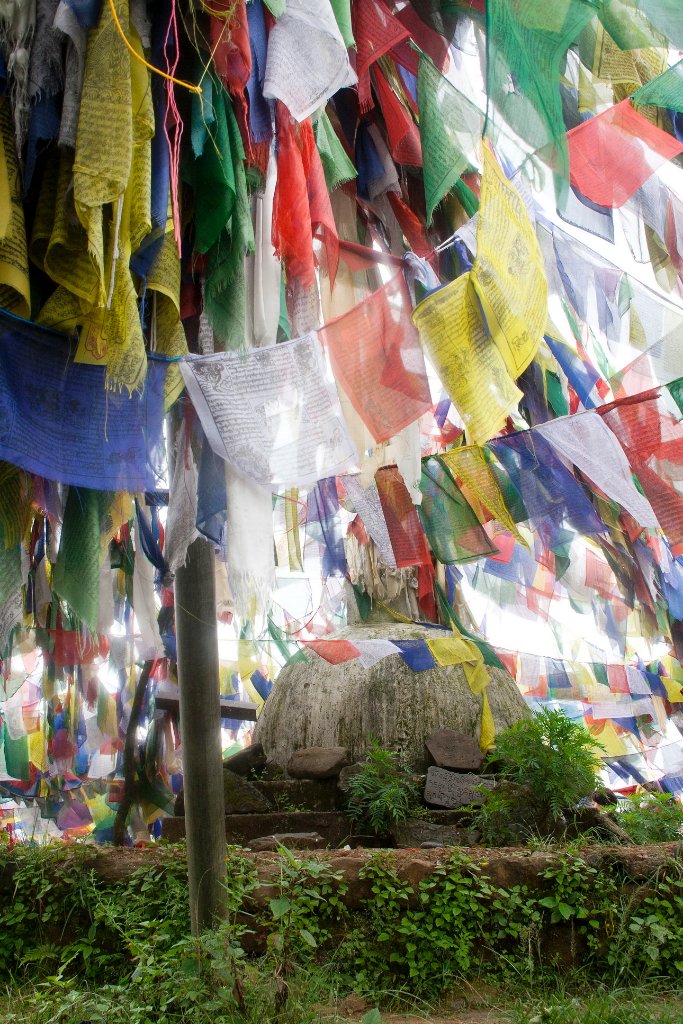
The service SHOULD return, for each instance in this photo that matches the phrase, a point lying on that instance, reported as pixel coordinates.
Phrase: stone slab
(240, 829)
(451, 789)
(292, 840)
(414, 833)
(251, 759)
(317, 762)
(456, 751)
(291, 795)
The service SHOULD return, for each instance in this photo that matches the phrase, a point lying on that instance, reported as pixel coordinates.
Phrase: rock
(251, 759)
(449, 789)
(605, 797)
(447, 748)
(242, 797)
(301, 794)
(346, 773)
(316, 703)
(592, 819)
(292, 840)
(317, 762)
(416, 833)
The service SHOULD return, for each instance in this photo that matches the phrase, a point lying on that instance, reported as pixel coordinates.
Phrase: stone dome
(319, 704)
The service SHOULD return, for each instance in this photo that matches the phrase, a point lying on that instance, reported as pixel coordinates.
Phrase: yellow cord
(157, 71)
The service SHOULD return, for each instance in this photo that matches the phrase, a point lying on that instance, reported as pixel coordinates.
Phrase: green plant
(582, 897)
(382, 792)
(649, 941)
(309, 900)
(651, 817)
(546, 766)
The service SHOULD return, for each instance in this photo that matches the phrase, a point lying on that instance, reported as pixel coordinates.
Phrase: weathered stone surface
(317, 762)
(346, 773)
(242, 797)
(450, 789)
(505, 867)
(415, 833)
(319, 704)
(592, 819)
(240, 829)
(291, 795)
(251, 759)
(292, 840)
(447, 748)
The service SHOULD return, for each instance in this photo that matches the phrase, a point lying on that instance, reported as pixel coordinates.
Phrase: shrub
(651, 817)
(546, 766)
(382, 793)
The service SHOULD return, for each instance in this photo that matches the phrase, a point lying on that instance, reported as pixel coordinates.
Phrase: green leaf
(549, 901)
(190, 967)
(372, 1017)
(565, 910)
(279, 907)
(308, 938)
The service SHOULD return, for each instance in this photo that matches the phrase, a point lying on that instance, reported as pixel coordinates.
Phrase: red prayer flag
(301, 207)
(377, 358)
(334, 651)
(376, 31)
(405, 530)
(433, 44)
(614, 153)
(653, 441)
(403, 133)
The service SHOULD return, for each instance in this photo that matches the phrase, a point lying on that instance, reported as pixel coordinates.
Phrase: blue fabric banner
(57, 419)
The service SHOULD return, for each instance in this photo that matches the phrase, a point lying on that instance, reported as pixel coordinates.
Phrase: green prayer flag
(10, 505)
(212, 172)
(284, 329)
(342, 15)
(276, 7)
(453, 530)
(337, 166)
(450, 130)
(663, 91)
(665, 16)
(222, 218)
(76, 576)
(466, 198)
(526, 44)
(633, 27)
(16, 758)
(10, 595)
(556, 398)
(676, 392)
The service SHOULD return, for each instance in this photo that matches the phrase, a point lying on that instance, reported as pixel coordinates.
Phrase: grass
(318, 996)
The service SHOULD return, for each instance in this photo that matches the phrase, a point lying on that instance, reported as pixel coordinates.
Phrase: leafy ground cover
(581, 946)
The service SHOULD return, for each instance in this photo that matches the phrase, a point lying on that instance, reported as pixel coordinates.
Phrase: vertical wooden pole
(200, 732)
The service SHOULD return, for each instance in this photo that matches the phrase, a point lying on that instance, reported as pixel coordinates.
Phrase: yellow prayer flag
(674, 689)
(454, 650)
(610, 740)
(509, 274)
(468, 363)
(37, 750)
(458, 650)
(14, 286)
(469, 465)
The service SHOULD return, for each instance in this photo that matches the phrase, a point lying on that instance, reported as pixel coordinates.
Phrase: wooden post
(200, 732)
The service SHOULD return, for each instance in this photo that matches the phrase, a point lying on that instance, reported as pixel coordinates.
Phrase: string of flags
(410, 276)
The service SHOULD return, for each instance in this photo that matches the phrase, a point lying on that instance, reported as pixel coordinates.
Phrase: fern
(382, 793)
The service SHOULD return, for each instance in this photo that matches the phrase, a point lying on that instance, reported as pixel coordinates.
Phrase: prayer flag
(615, 152)
(377, 359)
(450, 130)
